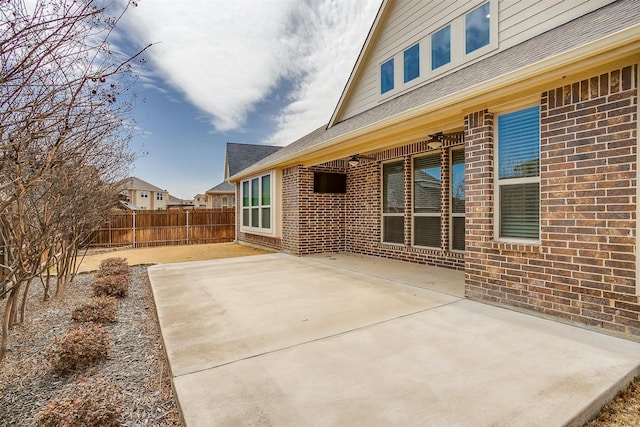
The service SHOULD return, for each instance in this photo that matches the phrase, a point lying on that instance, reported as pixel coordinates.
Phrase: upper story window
(518, 174)
(225, 201)
(412, 63)
(256, 204)
(477, 28)
(386, 76)
(466, 36)
(441, 47)
(144, 194)
(159, 196)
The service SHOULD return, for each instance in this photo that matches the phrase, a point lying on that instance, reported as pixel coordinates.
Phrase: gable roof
(223, 187)
(374, 31)
(241, 156)
(135, 183)
(615, 26)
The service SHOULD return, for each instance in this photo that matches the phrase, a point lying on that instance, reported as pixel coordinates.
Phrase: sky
(244, 71)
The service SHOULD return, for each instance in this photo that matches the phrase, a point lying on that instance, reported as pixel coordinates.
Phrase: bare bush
(113, 266)
(91, 402)
(80, 347)
(97, 309)
(111, 286)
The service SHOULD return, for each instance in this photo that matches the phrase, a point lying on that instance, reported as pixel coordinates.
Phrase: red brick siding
(584, 269)
(364, 218)
(312, 222)
(290, 210)
(318, 223)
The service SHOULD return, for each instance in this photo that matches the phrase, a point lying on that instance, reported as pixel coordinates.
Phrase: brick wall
(323, 222)
(312, 222)
(584, 269)
(217, 200)
(364, 222)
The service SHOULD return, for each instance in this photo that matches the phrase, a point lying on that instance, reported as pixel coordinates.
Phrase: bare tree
(65, 127)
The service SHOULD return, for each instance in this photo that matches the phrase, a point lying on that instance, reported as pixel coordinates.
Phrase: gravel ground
(136, 363)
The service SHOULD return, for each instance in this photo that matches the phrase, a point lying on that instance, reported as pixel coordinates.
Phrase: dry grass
(623, 410)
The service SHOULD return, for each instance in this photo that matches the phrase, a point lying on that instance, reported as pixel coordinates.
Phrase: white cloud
(334, 32)
(226, 55)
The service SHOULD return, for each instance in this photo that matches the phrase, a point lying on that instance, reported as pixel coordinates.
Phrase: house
(222, 195)
(485, 136)
(142, 195)
(200, 201)
(174, 202)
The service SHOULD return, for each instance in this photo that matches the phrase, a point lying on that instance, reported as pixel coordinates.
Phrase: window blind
(426, 184)
(519, 144)
(393, 187)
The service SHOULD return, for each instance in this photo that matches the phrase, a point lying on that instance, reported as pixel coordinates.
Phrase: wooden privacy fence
(166, 227)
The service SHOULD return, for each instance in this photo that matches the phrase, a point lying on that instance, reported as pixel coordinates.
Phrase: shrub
(89, 402)
(82, 346)
(114, 266)
(97, 309)
(111, 286)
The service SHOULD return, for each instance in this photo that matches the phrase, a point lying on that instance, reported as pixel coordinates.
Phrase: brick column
(479, 166)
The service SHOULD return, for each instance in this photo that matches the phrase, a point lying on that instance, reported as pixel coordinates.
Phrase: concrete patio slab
(277, 340)
(217, 312)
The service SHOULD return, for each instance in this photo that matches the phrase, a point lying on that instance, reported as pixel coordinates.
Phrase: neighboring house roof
(475, 80)
(173, 200)
(135, 183)
(223, 187)
(426, 191)
(129, 205)
(241, 156)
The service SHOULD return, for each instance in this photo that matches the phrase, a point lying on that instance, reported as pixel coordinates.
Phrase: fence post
(187, 213)
(134, 229)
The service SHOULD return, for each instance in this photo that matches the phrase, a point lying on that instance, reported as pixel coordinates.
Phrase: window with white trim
(441, 47)
(225, 201)
(518, 175)
(393, 202)
(144, 194)
(387, 76)
(457, 189)
(412, 63)
(477, 28)
(159, 196)
(427, 186)
(465, 37)
(256, 203)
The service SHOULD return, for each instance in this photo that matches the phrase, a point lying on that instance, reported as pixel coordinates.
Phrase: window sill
(533, 247)
(261, 232)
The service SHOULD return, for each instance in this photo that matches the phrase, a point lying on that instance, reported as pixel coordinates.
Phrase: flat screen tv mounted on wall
(327, 182)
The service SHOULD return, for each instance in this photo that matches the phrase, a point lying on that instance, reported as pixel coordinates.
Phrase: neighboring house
(143, 195)
(176, 203)
(222, 195)
(484, 136)
(200, 201)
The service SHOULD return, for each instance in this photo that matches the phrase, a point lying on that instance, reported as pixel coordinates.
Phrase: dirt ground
(169, 254)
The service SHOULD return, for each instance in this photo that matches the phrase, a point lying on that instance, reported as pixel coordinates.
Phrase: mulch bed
(136, 363)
